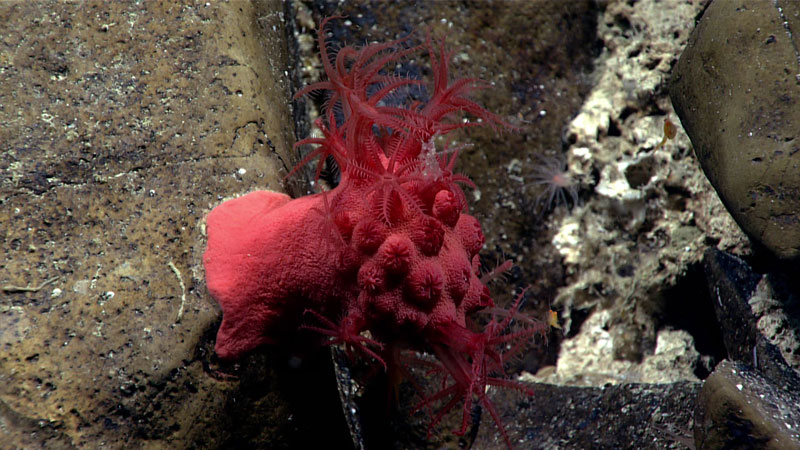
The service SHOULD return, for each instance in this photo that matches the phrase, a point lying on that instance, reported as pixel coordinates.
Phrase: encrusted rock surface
(633, 249)
(736, 89)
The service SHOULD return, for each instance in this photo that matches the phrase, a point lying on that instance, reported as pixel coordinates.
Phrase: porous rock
(649, 215)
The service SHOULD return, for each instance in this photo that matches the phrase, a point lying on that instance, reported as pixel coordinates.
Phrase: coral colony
(387, 261)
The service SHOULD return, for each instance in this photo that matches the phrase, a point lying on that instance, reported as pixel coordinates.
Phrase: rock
(630, 415)
(585, 359)
(752, 399)
(739, 409)
(634, 415)
(733, 285)
(736, 89)
(651, 212)
(776, 306)
(122, 124)
(634, 248)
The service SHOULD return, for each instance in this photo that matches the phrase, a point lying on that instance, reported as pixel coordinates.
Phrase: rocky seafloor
(124, 123)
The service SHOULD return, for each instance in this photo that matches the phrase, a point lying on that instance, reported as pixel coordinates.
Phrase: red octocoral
(389, 250)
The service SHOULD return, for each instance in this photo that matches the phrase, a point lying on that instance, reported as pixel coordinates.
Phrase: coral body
(390, 250)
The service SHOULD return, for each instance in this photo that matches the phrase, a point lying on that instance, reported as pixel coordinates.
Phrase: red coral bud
(476, 301)
(368, 235)
(458, 281)
(344, 223)
(425, 284)
(428, 235)
(446, 207)
(370, 278)
(349, 260)
(486, 298)
(396, 254)
(469, 229)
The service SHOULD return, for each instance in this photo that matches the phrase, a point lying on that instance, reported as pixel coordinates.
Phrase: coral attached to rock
(389, 250)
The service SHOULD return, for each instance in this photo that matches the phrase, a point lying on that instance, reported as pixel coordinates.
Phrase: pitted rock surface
(122, 123)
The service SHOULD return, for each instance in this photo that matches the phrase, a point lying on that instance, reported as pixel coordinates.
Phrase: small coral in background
(557, 184)
(389, 251)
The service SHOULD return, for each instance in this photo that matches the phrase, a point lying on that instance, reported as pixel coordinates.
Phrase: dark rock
(752, 401)
(736, 90)
(654, 416)
(731, 283)
(614, 416)
(739, 409)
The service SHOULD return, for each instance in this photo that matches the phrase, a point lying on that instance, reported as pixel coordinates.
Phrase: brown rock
(122, 124)
(738, 409)
(736, 89)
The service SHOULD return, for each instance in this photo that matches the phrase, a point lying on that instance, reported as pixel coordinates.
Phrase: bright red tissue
(389, 250)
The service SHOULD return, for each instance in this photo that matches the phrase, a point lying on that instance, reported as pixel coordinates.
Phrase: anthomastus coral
(390, 250)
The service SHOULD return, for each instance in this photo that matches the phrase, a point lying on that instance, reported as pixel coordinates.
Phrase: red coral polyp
(428, 235)
(396, 254)
(469, 230)
(425, 284)
(368, 235)
(371, 278)
(389, 251)
(446, 207)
